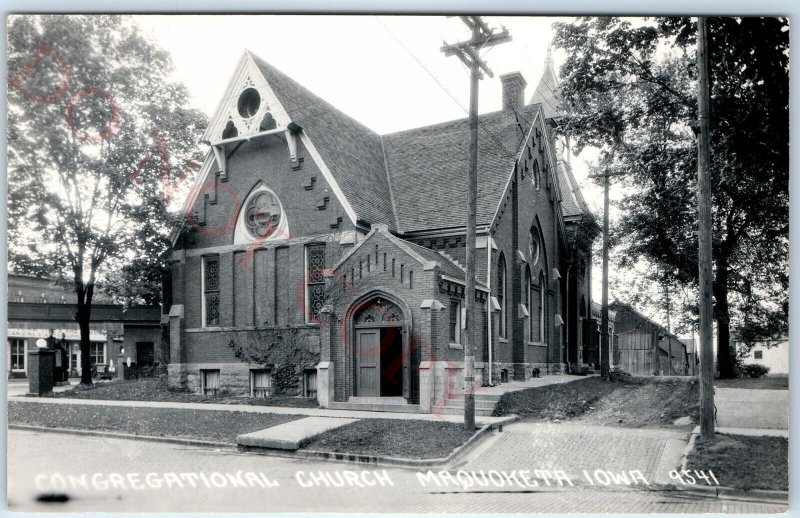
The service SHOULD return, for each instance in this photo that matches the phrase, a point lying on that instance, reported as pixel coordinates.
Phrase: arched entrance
(381, 358)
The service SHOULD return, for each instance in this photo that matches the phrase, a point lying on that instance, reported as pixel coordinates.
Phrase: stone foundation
(234, 378)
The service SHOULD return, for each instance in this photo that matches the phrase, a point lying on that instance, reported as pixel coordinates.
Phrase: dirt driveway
(655, 403)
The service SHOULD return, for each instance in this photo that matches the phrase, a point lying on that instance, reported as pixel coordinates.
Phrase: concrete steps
(484, 404)
(374, 407)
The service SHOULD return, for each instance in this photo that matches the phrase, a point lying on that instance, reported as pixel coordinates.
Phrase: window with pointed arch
(540, 311)
(502, 286)
(535, 322)
(527, 293)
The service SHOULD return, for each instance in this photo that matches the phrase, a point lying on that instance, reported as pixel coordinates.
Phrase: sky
(387, 72)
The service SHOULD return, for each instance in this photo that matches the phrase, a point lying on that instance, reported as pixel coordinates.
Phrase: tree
(629, 86)
(98, 137)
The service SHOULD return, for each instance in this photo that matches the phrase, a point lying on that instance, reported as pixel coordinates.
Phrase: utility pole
(605, 364)
(704, 237)
(468, 52)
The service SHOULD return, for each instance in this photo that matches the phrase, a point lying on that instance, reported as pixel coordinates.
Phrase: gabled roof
(572, 202)
(352, 151)
(546, 92)
(412, 180)
(428, 169)
(426, 257)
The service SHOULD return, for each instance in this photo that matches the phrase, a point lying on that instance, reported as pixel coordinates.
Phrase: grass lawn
(392, 438)
(157, 390)
(207, 425)
(764, 382)
(630, 402)
(744, 462)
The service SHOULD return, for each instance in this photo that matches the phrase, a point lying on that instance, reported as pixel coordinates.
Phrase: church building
(320, 258)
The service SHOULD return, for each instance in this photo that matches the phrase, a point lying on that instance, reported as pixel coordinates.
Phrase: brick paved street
(101, 474)
(575, 448)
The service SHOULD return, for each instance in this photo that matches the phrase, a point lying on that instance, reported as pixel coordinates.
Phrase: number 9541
(694, 477)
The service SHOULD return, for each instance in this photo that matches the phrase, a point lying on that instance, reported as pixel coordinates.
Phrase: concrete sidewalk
(309, 412)
(752, 408)
(513, 386)
(288, 436)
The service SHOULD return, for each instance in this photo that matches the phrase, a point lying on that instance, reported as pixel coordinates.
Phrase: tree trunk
(83, 316)
(723, 318)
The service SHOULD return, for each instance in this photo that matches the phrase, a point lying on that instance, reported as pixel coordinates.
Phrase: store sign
(69, 334)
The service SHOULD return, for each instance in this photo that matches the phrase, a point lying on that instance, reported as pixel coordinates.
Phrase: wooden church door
(368, 350)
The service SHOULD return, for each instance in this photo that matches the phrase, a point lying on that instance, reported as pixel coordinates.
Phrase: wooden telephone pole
(704, 238)
(605, 349)
(468, 52)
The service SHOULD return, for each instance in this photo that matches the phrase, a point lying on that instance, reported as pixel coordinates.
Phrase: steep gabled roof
(351, 151)
(572, 202)
(426, 257)
(412, 180)
(428, 169)
(546, 92)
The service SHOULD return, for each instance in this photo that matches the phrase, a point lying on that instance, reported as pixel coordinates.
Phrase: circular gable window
(263, 214)
(249, 102)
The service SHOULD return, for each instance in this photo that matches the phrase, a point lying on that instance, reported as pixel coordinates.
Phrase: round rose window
(262, 214)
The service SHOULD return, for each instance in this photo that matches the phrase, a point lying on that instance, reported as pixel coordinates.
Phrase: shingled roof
(424, 169)
(352, 151)
(572, 202)
(427, 169)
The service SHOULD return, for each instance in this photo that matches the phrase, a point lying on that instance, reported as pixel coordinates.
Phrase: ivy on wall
(286, 352)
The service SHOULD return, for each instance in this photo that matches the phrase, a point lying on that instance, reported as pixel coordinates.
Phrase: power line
(450, 94)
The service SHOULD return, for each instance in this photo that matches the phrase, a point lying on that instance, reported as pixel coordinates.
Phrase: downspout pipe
(489, 301)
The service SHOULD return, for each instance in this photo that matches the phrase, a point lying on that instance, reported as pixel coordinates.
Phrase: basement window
(209, 380)
(260, 383)
(310, 383)
(504, 376)
(758, 355)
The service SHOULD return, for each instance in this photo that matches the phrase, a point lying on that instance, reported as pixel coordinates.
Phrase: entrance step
(459, 403)
(364, 400)
(288, 436)
(453, 410)
(375, 407)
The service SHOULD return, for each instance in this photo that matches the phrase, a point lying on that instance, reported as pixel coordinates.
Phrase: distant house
(591, 346)
(40, 308)
(644, 348)
(693, 360)
(770, 353)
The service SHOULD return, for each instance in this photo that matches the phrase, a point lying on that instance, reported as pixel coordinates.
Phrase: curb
(379, 460)
(375, 460)
(729, 493)
(130, 436)
(753, 495)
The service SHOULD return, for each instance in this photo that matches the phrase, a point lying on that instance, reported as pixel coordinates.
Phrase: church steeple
(546, 92)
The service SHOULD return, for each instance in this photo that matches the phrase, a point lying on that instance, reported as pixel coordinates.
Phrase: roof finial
(549, 59)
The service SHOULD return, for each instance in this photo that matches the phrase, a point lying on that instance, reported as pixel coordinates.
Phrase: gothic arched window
(502, 285)
(541, 310)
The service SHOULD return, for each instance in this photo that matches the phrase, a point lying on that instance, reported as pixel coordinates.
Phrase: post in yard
(468, 52)
(704, 237)
(605, 363)
(604, 349)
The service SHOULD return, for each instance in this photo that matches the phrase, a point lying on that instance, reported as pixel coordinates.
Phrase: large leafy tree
(630, 86)
(99, 135)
